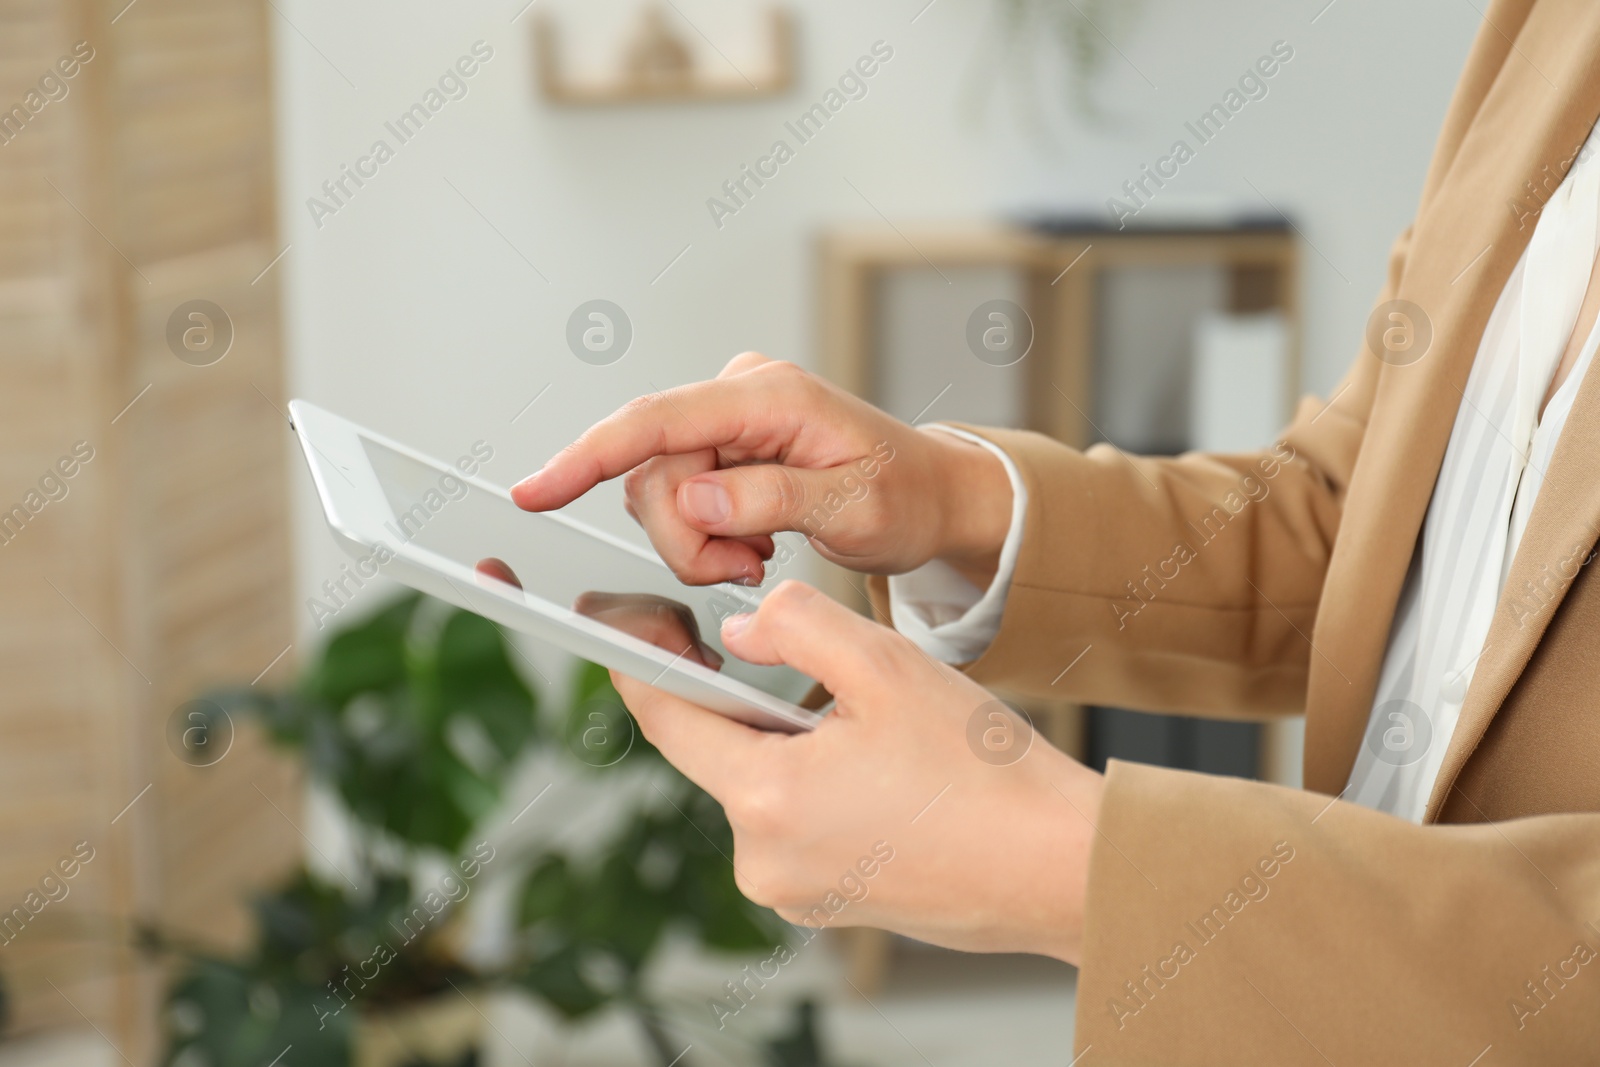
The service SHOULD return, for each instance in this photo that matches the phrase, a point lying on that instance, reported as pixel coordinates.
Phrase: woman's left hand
(921, 804)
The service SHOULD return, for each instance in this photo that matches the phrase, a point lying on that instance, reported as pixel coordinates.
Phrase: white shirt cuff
(942, 612)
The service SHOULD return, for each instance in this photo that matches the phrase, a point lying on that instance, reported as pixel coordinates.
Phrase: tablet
(457, 537)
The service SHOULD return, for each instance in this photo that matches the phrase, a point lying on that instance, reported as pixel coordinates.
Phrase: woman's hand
(716, 467)
(919, 805)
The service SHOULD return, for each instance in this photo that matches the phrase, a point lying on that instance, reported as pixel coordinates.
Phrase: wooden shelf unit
(1062, 270)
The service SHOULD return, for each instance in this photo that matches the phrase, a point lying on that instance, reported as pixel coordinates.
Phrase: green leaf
(368, 657)
(598, 728)
(547, 892)
(622, 915)
(380, 716)
(558, 980)
(232, 1017)
(476, 676)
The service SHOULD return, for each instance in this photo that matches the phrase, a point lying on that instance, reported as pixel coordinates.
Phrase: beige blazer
(1237, 923)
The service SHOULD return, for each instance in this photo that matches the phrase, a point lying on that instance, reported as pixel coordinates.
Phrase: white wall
(408, 311)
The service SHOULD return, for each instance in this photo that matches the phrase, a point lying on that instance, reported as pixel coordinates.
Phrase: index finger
(717, 414)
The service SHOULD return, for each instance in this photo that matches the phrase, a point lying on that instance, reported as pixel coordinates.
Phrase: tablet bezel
(356, 509)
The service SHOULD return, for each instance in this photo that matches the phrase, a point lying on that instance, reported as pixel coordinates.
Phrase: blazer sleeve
(1177, 584)
(1244, 924)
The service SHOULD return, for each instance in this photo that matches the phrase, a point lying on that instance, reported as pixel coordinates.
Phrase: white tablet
(459, 538)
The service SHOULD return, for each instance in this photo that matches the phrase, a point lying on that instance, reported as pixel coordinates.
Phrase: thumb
(766, 498)
(797, 626)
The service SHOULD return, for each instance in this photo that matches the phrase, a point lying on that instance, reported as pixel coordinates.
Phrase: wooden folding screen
(136, 177)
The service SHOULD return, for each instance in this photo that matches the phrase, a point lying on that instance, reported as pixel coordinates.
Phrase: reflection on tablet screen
(568, 565)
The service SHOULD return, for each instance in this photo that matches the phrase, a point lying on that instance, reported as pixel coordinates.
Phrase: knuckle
(759, 809)
(787, 595)
(637, 483)
(785, 492)
(640, 406)
(684, 570)
(760, 882)
(784, 371)
(744, 361)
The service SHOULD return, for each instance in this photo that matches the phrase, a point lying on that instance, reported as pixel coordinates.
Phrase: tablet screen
(567, 564)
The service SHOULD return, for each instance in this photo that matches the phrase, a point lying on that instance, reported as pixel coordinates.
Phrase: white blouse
(1493, 468)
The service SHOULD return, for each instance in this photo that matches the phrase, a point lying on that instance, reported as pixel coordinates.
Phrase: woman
(1406, 565)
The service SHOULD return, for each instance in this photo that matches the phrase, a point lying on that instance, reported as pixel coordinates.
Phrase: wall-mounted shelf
(683, 84)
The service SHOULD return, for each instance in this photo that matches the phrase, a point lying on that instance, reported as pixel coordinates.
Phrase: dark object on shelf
(1200, 226)
(1206, 745)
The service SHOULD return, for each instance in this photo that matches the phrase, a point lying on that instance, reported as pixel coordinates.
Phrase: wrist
(1067, 810)
(975, 500)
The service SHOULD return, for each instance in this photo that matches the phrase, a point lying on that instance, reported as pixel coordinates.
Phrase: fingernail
(707, 502)
(734, 625)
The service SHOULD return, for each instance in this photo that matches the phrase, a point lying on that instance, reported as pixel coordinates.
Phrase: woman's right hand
(715, 468)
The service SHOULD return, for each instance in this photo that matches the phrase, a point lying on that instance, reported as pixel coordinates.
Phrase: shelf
(695, 87)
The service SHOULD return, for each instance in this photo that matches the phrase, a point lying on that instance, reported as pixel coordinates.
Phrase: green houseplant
(415, 718)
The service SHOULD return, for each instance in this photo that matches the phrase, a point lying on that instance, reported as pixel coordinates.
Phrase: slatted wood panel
(165, 569)
(55, 774)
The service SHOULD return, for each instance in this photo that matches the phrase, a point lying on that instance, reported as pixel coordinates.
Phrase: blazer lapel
(1561, 532)
(1566, 517)
(1465, 244)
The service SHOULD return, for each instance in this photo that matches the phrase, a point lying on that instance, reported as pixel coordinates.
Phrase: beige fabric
(1378, 942)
